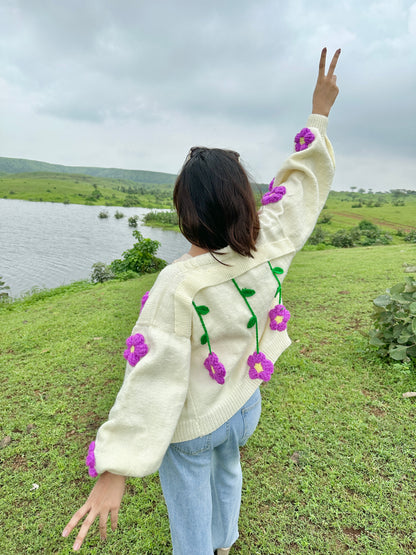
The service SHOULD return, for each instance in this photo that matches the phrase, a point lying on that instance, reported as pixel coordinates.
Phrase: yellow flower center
(258, 367)
(302, 141)
(278, 319)
(212, 369)
(132, 349)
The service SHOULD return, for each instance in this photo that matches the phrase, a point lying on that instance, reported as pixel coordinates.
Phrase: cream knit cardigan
(169, 396)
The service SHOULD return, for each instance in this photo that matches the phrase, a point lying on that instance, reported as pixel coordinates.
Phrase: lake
(45, 244)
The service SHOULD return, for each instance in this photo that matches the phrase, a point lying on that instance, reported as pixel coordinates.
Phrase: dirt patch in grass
(377, 412)
(376, 221)
(353, 533)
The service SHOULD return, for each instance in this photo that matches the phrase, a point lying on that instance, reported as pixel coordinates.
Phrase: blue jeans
(201, 482)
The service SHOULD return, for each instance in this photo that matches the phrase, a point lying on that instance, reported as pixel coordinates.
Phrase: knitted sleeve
(298, 193)
(140, 426)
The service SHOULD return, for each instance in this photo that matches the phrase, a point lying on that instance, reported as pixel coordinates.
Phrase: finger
(83, 531)
(114, 519)
(322, 63)
(333, 63)
(103, 525)
(74, 520)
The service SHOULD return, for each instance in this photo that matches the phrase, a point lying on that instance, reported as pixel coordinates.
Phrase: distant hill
(20, 165)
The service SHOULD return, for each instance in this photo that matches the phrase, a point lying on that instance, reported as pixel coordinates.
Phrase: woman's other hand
(105, 498)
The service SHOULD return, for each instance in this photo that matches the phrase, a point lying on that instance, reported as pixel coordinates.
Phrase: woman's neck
(196, 251)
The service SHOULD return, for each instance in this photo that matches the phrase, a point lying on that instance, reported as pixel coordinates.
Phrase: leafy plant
(318, 236)
(343, 238)
(394, 317)
(101, 272)
(167, 217)
(133, 221)
(103, 214)
(411, 237)
(4, 289)
(325, 219)
(140, 258)
(118, 215)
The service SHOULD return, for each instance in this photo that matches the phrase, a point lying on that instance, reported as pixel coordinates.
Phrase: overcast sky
(133, 84)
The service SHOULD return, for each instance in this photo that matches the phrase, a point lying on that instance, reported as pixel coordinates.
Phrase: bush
(343, 238)
(133, 221)
(103, 214)
(118, 215)
(411, 237)
(101, 272)
(394, 333)
(318, 236)
(4, 290)
(325, 219)
(140, 258)
(169, 217)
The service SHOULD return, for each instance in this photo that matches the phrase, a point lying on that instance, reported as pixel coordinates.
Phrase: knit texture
(203, 364)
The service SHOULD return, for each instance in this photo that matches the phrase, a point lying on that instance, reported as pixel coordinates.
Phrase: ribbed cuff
(319, 122)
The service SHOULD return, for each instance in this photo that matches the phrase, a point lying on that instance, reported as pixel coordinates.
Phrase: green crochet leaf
(202, 309)
(252, 322)
(278, 270)
(248, 292)
(204, 339)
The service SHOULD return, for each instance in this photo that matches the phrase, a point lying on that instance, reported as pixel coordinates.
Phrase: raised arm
(298, 193)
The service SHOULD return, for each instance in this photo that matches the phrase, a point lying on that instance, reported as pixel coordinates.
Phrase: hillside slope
(20, 165)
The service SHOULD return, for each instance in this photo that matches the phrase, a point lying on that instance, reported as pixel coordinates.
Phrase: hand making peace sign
(326, 89)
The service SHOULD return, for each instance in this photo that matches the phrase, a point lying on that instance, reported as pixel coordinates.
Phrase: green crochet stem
(277, 271)
(200, 310)
(253, 320)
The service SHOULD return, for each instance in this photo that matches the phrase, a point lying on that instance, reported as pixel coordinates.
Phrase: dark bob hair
(215, 202)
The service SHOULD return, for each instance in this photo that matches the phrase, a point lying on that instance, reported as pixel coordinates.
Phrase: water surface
(45, 244)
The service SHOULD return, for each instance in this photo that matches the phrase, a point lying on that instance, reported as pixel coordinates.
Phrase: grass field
(84, 189)
(330, 469)
(345, 213)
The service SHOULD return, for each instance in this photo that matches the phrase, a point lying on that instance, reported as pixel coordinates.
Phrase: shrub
(101, 272)
(394, 333)
(4, 290)
(318, 236)
(133, 221)
(140, 258)
(343, 238)
(169, 217)
(118, 215)
(411, 237)
(103, 214)
(325, 219)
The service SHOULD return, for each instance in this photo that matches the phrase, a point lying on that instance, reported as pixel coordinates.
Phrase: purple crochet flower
(303, 139)
(274, 194)
(215, 368)
(260, 367)
(137, 349)
(90, 460)
(279, 317)
(144, 299)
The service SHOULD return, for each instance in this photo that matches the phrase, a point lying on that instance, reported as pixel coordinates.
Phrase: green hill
(20, 165)
(84, 189)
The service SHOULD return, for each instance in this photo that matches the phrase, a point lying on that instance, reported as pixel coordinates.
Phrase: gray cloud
(225, 72)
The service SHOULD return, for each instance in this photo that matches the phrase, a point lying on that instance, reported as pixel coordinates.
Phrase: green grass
(387, 216)
(84, 189)
(330, 469)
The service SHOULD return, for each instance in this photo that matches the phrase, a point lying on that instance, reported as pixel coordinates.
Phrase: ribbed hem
(242, 392)
(209, 423)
